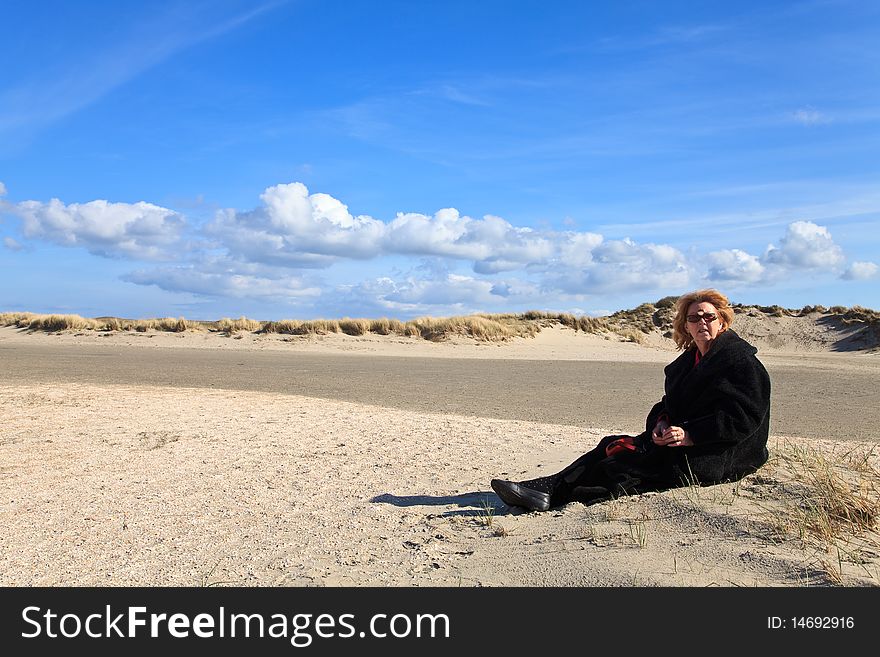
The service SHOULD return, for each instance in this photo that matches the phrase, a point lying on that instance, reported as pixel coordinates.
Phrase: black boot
(514, 494)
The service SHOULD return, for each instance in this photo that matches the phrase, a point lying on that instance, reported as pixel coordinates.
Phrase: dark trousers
(595, 477)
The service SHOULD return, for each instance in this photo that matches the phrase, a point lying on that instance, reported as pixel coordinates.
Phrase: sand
(132, 484)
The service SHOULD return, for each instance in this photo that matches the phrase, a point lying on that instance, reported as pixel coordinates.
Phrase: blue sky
(309, 158)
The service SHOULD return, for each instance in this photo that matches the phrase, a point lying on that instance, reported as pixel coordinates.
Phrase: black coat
(724, 404)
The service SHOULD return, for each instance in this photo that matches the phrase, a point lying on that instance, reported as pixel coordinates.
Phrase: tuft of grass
(354, 326)
(16, 319)
(487, 519)
(479, 327)
(300, 327)
(832, 498)
(115, 324)
(631, 335)
(639, 533)
(830, 503)
(691, 490)
(320, 326)
(54, 323)
(487, 513)
(230, 326)
(386, 326)
(284, 326)
(178, 325)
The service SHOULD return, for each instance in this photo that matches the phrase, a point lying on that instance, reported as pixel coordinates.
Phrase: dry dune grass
(832, 495)
(480, 327)
(386, 326)
(485, 327)
(819, 501)
(302, 327)
(634, 325)
(53, 323)
(828, 501)
(229, 326)
(354, 326)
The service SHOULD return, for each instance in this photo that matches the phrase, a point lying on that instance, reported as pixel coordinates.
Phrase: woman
(710, 427)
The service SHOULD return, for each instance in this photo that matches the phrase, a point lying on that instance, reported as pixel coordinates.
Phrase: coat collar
(726, 350)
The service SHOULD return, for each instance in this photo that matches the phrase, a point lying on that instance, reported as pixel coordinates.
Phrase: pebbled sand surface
(118, 485)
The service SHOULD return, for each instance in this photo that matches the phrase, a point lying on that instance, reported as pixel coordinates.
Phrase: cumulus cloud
(493, 243)
(576, 249)
(622, 265)
(134, 230)
(245, 237)
(446, 294)
(734, 265)
(805, 245)
(452, 290)
(861, 271)
(263, 253)
(298, 229)
(2, 189)
(294, 228)
(223, 284)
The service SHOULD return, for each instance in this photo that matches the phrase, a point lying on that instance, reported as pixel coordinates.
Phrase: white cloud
(494, 265)
(135, 230)
(805, 245)
(734, 265)
(809, 116)
(223, 284)
(576, 249)
(618, 266)
(297, 229)
(491, 242)
(2, 189)
(446, 294)
(454, 289)
(245, 237)
(257, 253)
(861, 271)
(11, 244)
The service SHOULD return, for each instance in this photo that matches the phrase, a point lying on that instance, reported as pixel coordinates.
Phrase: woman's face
(703, 331)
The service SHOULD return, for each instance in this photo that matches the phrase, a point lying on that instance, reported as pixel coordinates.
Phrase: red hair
(680, 333)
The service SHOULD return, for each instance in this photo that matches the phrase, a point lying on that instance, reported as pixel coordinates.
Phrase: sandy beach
(135, 480)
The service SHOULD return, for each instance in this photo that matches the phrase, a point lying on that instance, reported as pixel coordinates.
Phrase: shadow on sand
(854, 336)
(472, 503)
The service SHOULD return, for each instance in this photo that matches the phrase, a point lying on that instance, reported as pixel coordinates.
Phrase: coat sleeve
(656, 411)
(738, 405)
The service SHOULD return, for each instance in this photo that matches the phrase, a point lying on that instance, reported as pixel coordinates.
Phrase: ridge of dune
(643, 333)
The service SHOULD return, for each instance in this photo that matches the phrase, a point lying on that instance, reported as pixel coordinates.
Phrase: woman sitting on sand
(710, 427)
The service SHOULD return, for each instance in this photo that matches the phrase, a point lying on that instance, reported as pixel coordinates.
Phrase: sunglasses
(709, 317)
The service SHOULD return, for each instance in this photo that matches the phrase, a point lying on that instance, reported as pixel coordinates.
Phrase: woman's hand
(674, 437)
(657, 433)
